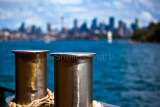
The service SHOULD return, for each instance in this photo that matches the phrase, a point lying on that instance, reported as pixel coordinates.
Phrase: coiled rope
(47, 101)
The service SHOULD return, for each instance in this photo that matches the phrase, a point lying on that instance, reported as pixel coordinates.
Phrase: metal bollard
(73, 79)
(30, 75)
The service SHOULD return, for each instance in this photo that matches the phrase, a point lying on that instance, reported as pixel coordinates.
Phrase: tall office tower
(135, 25)
(75, 27)
(94, 24)
(121, 29)
(102, 27)
(62, 22)
(111, 23)
(49, 27)
(33, 29)
(75, 24)
(22, 28)
(84, 28)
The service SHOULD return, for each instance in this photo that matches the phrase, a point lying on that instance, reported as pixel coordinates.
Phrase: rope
(96, 104)
(47, 101)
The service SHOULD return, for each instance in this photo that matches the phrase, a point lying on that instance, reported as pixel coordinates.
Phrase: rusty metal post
(30, 75)
(73, 79)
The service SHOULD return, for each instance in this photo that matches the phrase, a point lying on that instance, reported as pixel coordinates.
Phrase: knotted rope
(47, 101)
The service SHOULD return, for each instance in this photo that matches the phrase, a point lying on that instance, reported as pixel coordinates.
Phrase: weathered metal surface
(30, 75)
(73, 79)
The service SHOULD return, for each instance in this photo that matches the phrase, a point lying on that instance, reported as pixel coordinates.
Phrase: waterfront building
(94, 24)
(84, 27)
(49, 27)
(111, 23)
(121, 27)
(75, 27)
(22, 28)
(135, 25)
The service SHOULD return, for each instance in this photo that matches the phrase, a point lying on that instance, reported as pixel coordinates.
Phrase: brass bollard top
(30, 51)
(74, 54)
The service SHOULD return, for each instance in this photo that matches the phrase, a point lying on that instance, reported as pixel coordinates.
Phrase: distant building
(49, 28)
(121, 29)
(22, 28)
(84, 28)
(102, 28)
(62, 22)
(75, 30)
(33, 29)
(111, 23)
(134, 25)
(38, 31)
(94, 24)
(75, 24)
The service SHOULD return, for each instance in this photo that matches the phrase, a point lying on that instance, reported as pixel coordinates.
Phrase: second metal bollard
(73, 79)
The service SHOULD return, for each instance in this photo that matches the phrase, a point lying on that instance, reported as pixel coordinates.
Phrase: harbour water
(123, 74)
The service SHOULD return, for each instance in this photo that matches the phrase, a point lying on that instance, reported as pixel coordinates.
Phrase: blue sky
(40, 12)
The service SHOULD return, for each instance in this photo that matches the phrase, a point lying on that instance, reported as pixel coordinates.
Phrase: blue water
(123, 74)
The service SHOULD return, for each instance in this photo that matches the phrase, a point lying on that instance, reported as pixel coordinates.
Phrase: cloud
(118, 4)
(128, 1)
(106, 4)
(5, 14)
(75, 9)
(145, 18)
(66, 2)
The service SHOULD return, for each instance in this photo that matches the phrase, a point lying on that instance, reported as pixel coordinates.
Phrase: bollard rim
(30, 51)
(78, 54)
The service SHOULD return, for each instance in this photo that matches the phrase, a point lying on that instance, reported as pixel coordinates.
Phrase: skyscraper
(75, 27)
(84, 28)
(136, 22)
(75, 23)
(49, 28)
(111, 23)
(102, 27)
(121, 28)
(62, 22)
(22, 28)
(33, 29)
(134, 25)
(94, 24)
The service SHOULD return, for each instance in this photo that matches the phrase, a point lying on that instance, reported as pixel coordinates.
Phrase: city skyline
(14, 12)
(95, 31)
(101, 26)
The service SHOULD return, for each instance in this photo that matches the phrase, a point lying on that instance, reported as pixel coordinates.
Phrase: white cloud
(65, 2)
(117, 4)
(128, 1)
(74, 9)
(6, 14)
(107, 4)
(146, 18)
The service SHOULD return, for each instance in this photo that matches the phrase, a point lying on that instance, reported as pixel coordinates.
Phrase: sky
(40, 12)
